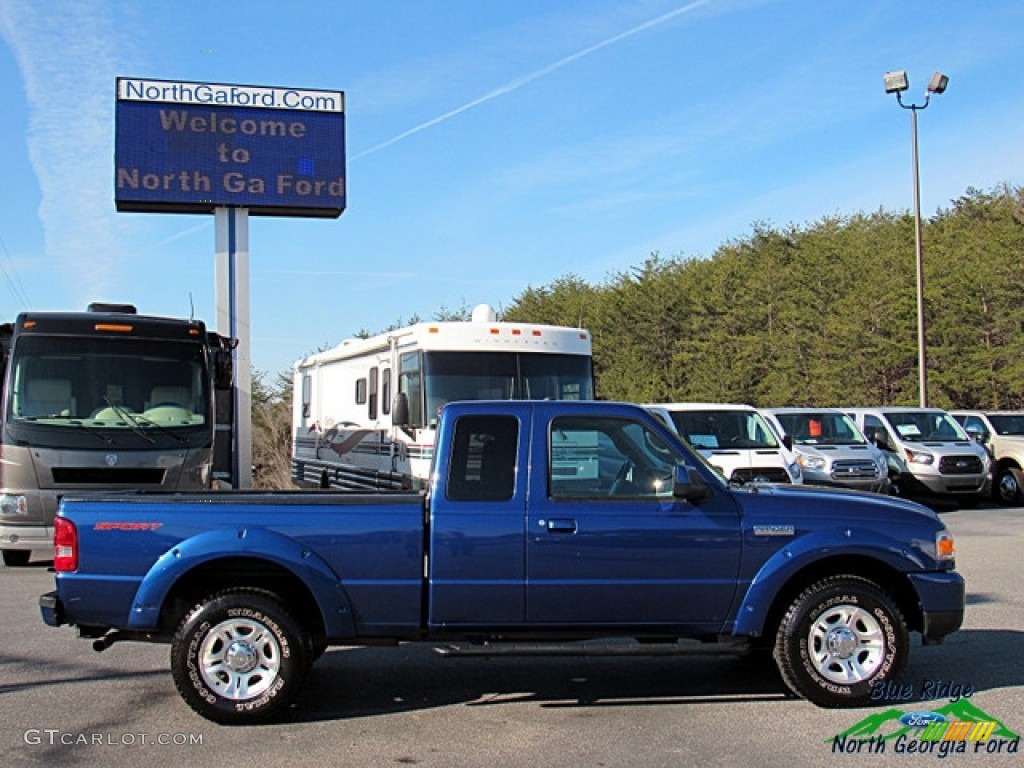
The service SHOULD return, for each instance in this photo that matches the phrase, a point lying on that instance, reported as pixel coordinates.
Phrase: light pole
(896, 82)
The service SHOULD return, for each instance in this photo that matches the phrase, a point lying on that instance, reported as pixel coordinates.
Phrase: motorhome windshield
(921, 426)
(450, 376)
(115, 383)
(820, 428)
(724, 429)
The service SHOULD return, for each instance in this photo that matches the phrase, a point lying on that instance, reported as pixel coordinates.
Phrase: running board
(591, 648)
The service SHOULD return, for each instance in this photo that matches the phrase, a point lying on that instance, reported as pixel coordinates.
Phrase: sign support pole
(231, 237)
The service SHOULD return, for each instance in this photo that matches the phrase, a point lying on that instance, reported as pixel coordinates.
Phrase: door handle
(562, 526)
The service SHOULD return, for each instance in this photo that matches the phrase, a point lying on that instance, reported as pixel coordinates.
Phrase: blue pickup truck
(543, 520)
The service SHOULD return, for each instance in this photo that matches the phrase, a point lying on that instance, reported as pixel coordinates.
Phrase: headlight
(920, 457)
(811, 462)
(944, 549)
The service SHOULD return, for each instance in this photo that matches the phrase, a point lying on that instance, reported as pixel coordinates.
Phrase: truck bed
(376, 552)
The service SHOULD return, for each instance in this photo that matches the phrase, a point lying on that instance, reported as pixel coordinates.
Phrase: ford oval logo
(922, 717)
(111, 459)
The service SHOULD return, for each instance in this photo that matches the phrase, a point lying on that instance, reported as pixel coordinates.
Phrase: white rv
(364, 413)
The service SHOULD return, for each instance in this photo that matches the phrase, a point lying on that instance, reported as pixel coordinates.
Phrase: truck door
(476, 548)
(608, 544)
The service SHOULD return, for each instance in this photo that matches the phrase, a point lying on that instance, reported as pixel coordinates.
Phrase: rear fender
(808, 551)
(257, 543)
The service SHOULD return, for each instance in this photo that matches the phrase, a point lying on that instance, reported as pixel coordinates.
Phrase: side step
(593, 648)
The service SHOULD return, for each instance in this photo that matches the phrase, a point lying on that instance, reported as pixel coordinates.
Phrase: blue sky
(492, 145)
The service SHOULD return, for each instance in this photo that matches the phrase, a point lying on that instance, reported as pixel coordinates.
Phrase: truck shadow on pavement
(362, 682)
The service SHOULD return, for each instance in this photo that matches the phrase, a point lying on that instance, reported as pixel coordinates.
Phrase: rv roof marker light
(116, 327)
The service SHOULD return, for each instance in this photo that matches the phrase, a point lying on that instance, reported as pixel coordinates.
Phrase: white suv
(830, 448)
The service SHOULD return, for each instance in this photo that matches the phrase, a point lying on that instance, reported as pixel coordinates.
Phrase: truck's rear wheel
(239, 657)
(840, 637)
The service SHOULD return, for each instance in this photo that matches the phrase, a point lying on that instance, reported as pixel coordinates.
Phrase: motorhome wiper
(129, 419)
(105, 438)
(141, 420)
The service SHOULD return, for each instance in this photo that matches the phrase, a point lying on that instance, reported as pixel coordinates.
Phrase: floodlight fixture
(897, 81)
(938, 83)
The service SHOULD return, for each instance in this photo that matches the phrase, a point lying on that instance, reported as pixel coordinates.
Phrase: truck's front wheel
(1007, 485)
(840, 637)
(239, 657)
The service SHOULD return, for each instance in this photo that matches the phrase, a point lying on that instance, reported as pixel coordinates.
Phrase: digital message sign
(184, 147)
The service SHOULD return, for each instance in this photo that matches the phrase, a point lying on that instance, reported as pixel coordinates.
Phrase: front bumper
(942, 596)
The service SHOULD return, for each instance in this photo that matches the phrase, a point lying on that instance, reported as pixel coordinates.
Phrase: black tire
(1006, 488)
(838, 639)
(239, 657)
(16, 558)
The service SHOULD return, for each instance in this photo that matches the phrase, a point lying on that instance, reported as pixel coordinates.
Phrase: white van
(830, 449)
(940, 459)
(734, 438)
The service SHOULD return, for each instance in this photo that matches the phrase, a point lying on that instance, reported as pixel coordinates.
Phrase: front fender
(808, 550)
(255, 543)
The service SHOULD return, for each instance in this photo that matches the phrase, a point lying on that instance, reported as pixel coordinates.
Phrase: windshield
(713, 429)
(127, 384)
(1007, 423)
(450, 376)
(820, 428)
(919, 426)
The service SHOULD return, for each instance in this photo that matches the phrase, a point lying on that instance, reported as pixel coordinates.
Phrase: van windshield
(821, 428)
(921, 426)
(713, 429)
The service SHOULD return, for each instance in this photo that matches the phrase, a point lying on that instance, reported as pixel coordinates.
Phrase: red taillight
(65, 545)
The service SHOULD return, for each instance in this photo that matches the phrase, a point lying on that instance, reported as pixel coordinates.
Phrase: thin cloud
(529, 78)
(65, 52)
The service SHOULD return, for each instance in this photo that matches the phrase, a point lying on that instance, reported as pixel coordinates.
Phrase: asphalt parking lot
(64, 704)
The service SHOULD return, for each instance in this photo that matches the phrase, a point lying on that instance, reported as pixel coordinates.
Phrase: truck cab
(1001, 434)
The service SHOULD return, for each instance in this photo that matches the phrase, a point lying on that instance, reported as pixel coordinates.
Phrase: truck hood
(827, 505)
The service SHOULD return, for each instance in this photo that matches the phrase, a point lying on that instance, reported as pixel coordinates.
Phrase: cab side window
(483, 459)
(607, 457)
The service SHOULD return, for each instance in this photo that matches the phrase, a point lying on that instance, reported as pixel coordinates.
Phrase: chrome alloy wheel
(846, 644)
(240, 659)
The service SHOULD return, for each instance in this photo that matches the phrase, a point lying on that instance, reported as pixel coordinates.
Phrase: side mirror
(881, 439)
(223, 369)
(400, 413)
(787, 441)
(688, 484)
(978, 434)
(221, 360)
